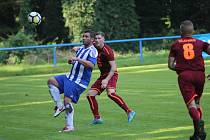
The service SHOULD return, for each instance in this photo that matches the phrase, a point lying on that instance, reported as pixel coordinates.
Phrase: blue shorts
(69, 88)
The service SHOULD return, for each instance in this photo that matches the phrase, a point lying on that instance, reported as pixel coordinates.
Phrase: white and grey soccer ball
(34, 18)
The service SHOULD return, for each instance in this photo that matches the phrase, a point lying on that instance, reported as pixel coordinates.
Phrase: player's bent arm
(171, 63)
(86, 63)
(112, 70)
(74, 49)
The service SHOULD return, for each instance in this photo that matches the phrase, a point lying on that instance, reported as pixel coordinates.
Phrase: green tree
(8, 14)
(52, 27)
(25, 9)
(116, 18)
(79, 15)
(16, 40)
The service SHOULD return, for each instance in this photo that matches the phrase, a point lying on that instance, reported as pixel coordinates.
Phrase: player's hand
(72, 60)
(104, 83)
(74, 49)
(208, 76)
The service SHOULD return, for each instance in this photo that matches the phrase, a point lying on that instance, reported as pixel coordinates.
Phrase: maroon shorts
(111, 84)
(191, 85)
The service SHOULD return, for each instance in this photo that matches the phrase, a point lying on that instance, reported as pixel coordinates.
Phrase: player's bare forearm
(171, 63)
(112, 70)
(85, 63)
(109, 76)
(74, 49)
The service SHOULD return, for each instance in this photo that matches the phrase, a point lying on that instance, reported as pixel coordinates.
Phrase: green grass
(26, 109)
(61, 67)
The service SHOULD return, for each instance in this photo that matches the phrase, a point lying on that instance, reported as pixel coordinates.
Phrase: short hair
(92, 33)
(100, 33)
(186, 27)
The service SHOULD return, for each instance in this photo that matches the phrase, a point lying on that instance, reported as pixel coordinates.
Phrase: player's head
(186, 28)
(88, 37)
(99, 39)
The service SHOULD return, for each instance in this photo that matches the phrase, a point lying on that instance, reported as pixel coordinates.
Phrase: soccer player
(185, 58)
(107, 80)
(76, 81)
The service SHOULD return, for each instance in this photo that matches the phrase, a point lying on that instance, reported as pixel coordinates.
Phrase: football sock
(200, 112)
(196, 127)
(199, 108)
(194, 113)
(93, 106)
(69, 115)
(195, 117)
(117, 99)
(55, 94)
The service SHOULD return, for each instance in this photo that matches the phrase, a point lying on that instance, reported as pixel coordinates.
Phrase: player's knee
(192, 104)
(69, 108)
(92, 93)
(52, 81)
(109, 94)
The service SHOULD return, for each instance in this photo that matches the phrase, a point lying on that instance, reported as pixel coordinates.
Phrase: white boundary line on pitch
(25, 104)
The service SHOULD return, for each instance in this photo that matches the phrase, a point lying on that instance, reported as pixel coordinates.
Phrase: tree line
(64, 20)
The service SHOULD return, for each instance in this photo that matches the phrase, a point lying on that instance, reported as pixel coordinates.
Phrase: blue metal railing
(204, 37)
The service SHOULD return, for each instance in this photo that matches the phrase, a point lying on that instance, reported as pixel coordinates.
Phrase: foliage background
(63, 21)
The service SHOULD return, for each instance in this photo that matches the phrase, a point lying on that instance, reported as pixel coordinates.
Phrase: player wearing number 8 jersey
(185, 58)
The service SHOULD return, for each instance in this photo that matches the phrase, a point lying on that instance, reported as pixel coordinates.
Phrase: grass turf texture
(26, 109)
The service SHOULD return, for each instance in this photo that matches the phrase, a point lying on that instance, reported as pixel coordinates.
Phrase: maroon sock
(200, 112)
(195, 115)
(93, 106)
(117, 99)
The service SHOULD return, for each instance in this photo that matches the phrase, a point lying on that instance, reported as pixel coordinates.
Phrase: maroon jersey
(105, 55)
(187, 52)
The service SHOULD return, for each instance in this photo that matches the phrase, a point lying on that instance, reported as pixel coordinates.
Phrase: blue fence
(204, 37)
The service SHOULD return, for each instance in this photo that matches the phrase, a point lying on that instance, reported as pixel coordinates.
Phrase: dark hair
(92, 33)
(186, 27)
(100, 33)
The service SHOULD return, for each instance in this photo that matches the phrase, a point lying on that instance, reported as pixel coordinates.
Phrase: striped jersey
(80, 74)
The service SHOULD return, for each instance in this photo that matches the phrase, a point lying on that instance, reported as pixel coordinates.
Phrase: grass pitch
(26, 109)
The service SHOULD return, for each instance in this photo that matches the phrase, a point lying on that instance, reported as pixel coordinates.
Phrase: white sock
(55, 93)
(70, 116)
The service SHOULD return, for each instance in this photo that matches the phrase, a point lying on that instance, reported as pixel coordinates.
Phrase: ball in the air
(34, 18)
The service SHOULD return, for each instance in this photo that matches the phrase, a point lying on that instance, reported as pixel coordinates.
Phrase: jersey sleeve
(92, 57)
(109, 54)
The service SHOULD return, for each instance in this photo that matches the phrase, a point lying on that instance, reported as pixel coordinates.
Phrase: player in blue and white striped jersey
(76, 81)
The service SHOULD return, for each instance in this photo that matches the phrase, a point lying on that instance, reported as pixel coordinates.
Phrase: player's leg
(111, 92)
(55, 94)
(69, 115)
(121, 103)
(199, 85)
(91, 97)
(72, 92)
(187, 87)
(195, 117)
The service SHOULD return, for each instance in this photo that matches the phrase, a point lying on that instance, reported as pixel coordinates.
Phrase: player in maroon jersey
(186, 59)
(107, 80)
